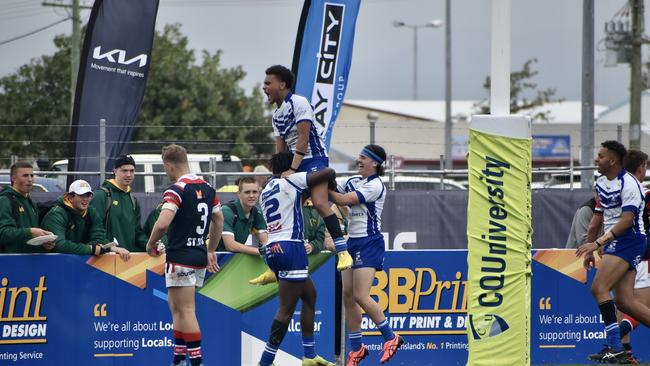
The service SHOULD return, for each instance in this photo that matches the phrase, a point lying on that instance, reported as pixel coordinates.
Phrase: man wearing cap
(118, 208)
(19, 214)
(78, 225)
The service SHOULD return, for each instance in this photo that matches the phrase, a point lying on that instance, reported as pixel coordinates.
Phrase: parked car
(41, 184)
(152, 163)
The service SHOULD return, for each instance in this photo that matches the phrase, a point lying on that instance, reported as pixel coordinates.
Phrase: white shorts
(181, 276)
(642, 279)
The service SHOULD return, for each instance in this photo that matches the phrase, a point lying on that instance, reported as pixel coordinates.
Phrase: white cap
(80, 187)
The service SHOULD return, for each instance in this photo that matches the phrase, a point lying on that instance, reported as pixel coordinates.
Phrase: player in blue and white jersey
(190, 211)
(365, 194)
(285, 254)
(297, 132)
(624, 242)
(634, 162)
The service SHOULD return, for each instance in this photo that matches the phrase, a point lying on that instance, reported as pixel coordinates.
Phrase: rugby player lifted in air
(297, 132)
(190, 211)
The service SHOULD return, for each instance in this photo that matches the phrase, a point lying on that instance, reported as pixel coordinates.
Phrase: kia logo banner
(113, 72)
(323, 55)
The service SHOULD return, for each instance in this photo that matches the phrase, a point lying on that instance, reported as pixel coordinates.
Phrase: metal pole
(619, 133)
(391, 176)
(571, 172)
(102, 150)
(213, 168)
(587, 125)
(74, 52)
(500, 58)
(635, 74)
(442, 175)
(415, 62)
(372, 121)
(449, 163)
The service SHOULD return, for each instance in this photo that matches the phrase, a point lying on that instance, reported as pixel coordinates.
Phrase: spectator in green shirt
(78, 226)
(119, 209)
(19, 214)
(242, 218)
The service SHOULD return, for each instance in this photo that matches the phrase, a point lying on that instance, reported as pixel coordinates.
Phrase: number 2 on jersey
(273, 204)
(203, 209)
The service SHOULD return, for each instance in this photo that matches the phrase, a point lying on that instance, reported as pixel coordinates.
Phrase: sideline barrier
(82, 311)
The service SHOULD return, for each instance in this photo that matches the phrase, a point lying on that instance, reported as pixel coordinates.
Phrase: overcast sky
(258, 33)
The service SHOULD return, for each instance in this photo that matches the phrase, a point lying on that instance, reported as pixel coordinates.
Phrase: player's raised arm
(344, 199)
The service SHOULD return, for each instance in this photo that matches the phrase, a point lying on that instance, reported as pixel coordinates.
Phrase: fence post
(571, 172)
(391, 176)
(102, 150)
(619, 133)
(213, 169)
(442, 175)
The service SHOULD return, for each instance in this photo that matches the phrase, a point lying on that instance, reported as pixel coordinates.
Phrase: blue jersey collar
(288, 97)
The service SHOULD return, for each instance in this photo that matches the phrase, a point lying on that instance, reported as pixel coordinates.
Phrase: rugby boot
(355, 357)
(609, 355)
(264, 279)
(345, 261)
(316, 361)
(390, 348)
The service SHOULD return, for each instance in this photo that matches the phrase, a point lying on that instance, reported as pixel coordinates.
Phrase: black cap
(124, 160)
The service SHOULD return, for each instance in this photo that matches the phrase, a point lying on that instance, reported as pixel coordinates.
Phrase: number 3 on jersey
(203, 209)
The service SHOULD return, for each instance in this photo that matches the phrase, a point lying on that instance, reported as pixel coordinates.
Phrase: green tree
(184, 101)
(201, 100)
(35, 107)
(521, 89)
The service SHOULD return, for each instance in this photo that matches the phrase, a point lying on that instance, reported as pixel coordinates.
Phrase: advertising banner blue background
(323, 56)
(94, 318)
(554, 147)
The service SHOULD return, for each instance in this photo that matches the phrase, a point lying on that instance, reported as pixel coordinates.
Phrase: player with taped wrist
(297, 132)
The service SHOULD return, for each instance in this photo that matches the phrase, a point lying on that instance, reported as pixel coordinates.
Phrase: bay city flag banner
(323, 55)
(113, 72)
(499, 234)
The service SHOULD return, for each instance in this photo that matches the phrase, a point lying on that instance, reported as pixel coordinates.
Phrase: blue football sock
(268, 355)
(309, 347)
(355, 340)
(385, 330)
(341, 244)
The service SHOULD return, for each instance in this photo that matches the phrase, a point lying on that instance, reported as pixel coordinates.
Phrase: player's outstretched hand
(586, 248)
(589, 261)
(213, 265)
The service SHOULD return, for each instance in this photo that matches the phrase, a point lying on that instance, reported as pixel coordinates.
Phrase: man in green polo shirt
(242, 218)
(19, 214)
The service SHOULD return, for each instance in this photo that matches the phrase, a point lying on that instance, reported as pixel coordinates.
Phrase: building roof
(434, 110)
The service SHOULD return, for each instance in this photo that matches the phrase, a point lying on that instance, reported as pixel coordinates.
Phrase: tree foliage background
(525, 97)
(185, 100)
